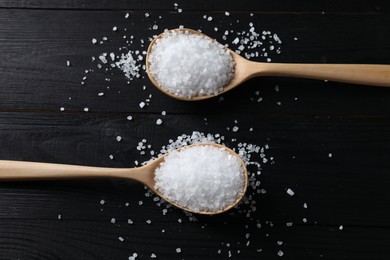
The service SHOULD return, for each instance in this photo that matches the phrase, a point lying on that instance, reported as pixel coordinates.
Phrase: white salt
(290, 192)
(153, 255)
(114, 28)
(129, 66)
(67, 63)
(189, 65)
(178, 250)
(121, 239)
(159, 122)
(201, 178)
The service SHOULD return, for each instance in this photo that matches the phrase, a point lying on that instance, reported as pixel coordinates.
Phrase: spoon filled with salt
(188, 65)
(204, 178)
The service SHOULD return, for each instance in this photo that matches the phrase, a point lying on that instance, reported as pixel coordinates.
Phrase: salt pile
(201, 178)
(188, 64)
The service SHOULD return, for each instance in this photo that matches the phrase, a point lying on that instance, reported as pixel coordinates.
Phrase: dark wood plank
(350, 188)
(215, 5)
(36, 45)
(64, 239)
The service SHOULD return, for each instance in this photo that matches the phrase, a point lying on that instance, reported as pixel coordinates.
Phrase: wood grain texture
(303, 123)
(215, 5)
(36, 45)
(348, 188)
(64, 239)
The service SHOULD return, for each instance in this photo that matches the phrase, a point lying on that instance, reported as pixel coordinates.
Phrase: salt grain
(153, 255)
(290, 192)
(159, 122)
(175, 67)
(201, 178)
(178, 250)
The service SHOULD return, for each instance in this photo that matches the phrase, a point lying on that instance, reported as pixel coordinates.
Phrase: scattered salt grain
(235, 128)
(178, 250)
(100, 94)
(280, 253)
(102, 202)
(94, 41)
(209, 18)
(111, 157)
(159, 122)
(330, 155)
(201, 178)
(290, 192)
(59, 216)
(127, 15)
(67, 63)
(86, 109)
(62, 109)
(305, 205)
(121, 239)
(149, 221)
(227, 13)
(119, 138)
(129, 118)
(142, 104)
(115, 28)
(175, 67)
(341, 227)
(153, 255)
(113, 220)
(130, 222)
(129, 65)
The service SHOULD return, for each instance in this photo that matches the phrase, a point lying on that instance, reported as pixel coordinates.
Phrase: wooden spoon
(365, 74)
(33, 171)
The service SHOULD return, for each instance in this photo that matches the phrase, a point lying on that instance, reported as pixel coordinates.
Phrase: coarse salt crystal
(114, 28)
(153, 255)
(178, 250)
(159, 122)
(182, 178)
(290, 192)
(176, 69)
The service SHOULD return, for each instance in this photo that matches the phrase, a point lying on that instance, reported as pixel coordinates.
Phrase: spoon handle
(29, 171)
(365, 74)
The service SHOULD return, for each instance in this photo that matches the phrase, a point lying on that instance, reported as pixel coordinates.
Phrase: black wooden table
(330, 141)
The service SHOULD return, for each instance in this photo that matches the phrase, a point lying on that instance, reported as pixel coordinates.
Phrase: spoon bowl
(364, 74)
(33, 171)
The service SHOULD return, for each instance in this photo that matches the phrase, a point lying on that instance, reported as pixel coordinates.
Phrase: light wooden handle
(365, 74)
(28, 171)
